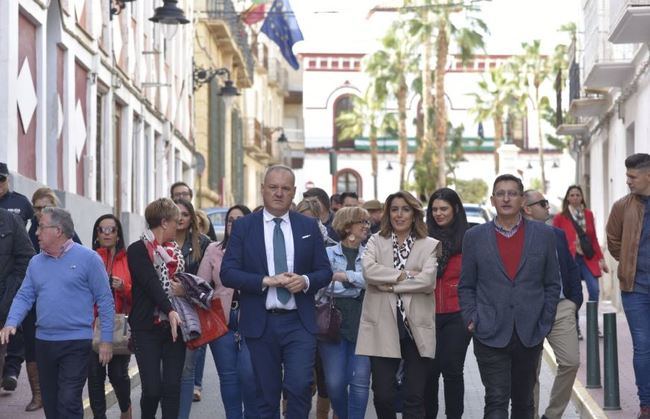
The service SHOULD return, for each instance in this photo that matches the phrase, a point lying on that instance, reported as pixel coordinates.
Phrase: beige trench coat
(378, 334)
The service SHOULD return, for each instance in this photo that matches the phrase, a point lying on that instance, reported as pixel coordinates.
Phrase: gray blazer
(497, 305)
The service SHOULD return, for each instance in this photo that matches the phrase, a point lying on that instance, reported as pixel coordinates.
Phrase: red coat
(561, 221)
(447, 287)
(120, 269)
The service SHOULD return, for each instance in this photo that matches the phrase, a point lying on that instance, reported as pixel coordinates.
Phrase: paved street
(211, 402)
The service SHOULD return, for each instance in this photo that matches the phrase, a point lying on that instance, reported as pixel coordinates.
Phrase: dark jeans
(15, 354)
(637, 312)
(508, 373)
(118, 375)
(384, 384)
(155, 349)
(453, 339)
(62, 372)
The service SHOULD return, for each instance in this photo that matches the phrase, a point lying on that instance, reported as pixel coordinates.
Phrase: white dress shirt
(269, 225)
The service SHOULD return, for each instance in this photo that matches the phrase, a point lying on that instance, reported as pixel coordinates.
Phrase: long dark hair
(226, 234)
(565, 201)
(120, 234)
(193, 232)
(451, 236)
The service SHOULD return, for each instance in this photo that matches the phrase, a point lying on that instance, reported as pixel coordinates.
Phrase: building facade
(96, 105)
(610, 102)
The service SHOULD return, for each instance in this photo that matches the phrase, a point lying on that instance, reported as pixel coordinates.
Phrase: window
(342, 104)
(348, 180)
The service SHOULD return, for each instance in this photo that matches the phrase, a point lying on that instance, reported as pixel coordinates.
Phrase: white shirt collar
(269, 217)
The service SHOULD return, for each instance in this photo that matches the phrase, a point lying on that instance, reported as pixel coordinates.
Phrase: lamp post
(170, 16)
(228, 90)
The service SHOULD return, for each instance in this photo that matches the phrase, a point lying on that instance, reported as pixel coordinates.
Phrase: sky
(342, 25)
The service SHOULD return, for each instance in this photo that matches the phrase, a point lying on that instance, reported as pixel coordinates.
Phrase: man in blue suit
(277, 260)
(563, 337)
(508, 291)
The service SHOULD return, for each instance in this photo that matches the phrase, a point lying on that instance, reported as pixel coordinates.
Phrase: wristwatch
(409, 275)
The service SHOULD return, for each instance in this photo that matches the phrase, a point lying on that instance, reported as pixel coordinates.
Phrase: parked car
(477, 214)
(217, 216)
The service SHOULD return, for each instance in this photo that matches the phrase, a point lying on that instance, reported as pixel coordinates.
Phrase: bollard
(593, 350)
(612, 397)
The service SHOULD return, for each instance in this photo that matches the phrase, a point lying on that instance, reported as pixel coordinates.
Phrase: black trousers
(29, 335)
(508, 374)
(62, 372)
(155, 349)
(417, 370)
(453, 339)
(118, 375)
(15, 354)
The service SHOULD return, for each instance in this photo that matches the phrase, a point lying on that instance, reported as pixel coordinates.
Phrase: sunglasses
(542, 203)
(3, 178)
(107, 230)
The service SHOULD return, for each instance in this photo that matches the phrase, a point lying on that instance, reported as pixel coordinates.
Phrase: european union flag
(282, 28)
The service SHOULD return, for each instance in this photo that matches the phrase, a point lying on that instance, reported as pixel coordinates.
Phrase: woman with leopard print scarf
(159, 351)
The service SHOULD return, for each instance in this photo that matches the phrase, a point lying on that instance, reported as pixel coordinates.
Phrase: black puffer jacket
(15, 252)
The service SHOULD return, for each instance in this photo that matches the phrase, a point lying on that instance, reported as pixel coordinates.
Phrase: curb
(587, 406)
(134, 375)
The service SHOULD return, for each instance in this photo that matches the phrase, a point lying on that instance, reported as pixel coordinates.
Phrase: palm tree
(495, 97)
(466, 39)
(533, 68)
(389, 69)
(367, 113)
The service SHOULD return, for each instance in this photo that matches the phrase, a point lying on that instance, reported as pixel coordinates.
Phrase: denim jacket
(339, 263)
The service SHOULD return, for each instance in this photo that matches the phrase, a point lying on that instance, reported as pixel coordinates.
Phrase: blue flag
(282, 28)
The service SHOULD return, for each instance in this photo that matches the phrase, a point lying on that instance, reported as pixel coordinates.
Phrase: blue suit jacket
(571, 286)
(244, 266)
(498, 305)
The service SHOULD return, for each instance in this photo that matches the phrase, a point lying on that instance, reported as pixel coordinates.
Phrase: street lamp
(228, 90)
(170, 16)
(116, 6)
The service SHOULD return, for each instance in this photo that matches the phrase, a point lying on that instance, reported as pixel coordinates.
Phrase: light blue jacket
(339, 263)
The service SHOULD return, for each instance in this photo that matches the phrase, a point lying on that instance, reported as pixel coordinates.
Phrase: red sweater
(510, 250)
(119, 269)
(447, 287)
(565, 223)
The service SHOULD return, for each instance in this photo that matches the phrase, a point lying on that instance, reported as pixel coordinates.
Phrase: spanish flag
(255, 13)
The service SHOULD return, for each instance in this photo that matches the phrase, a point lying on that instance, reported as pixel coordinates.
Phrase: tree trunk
(442, 48)
(427, 95)
(373, 157)
(498, 136)
(401, 128)
(541, 141)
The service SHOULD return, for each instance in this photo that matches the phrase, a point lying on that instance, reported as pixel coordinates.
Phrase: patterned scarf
(578, 214)
(400, 255)
(167, 260)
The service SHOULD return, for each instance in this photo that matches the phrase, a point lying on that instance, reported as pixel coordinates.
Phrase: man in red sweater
(509, 290)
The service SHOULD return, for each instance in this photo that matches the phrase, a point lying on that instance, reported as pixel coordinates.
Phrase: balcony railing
(604, 64)
(225, 10)
(629, 21)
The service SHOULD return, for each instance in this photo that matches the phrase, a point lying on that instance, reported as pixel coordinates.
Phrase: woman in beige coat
(398, 315)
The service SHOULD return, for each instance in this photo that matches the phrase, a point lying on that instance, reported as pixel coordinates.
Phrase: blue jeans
(342, 369)
(585, 274)
(637, 312)
(234, 367)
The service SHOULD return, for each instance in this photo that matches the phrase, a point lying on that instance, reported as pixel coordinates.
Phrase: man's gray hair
(279, 167)
(528, 193)
(62, 219)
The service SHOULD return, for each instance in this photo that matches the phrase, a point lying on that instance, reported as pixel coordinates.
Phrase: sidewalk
(627, 386)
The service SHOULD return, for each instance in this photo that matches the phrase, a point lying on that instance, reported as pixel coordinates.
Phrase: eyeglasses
(182, 195)
(3, 178)
(365, 222)
(509, 194)
(542, 203)
(107, 230)
(42, 226)
(40, 208)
